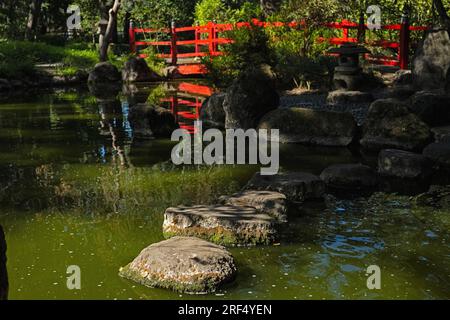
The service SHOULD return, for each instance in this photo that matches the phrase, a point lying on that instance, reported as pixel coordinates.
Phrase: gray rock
(432, 60)
(439, 153)
(182, 264)
(433, 108)
(349, 177)
(137, 70)
(403, 164)
(441, 133)
(4, 286)
(340, 97)
(296, 186)
(104, 72)
(389, 124)
(248, 99)
(151, 122)
(212, 113)
(307, 126)
(222, 224)
(269, 202)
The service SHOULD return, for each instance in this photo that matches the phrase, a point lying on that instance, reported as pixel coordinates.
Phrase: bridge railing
(206, 40)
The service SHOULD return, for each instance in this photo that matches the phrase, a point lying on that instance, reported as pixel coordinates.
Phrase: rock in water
(104, 72)
(349, 177)
(296, 186)
(228, 225)
(439, 153)
(389, 124)
(3, 273)
(137, 70)
(441, 133)
(269, 202)
(301, 125)
(212, 113)
(151, 122)
(432, 60)
(183, 264)
(249, 98)
(403, 164)
(432, 108)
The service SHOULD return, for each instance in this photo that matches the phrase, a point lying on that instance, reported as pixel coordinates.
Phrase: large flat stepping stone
(183, 264)
(222, 224)
(297, 186)
(269, 202)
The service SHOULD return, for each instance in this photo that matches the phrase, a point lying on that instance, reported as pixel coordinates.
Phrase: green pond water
(77, 188)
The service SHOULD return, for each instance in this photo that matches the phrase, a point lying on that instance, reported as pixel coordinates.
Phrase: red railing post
(173, 44)
(132, 37)
(196, 39)
(214, 38)
(210, 38)
(403, 54)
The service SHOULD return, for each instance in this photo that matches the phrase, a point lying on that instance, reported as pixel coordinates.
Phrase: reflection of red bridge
(186, 46)
(186, 101)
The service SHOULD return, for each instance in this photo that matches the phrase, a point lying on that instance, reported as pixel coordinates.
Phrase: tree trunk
(126, 26)
(106, 36)
(442, 12)
(33, 17)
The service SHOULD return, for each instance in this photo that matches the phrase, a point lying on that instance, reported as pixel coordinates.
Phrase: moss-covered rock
(222, 224)
(183, 264)
(301, 125)
(389, 124)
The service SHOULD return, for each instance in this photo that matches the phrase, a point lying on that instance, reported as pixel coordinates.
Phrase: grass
(18, 58)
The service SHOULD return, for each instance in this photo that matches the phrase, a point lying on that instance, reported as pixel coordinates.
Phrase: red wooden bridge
(186, 46)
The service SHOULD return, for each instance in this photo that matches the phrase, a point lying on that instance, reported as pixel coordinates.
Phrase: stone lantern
(348, 74)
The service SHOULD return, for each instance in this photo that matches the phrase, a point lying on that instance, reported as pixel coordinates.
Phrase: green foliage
(250, 47)
(222, 11)
(18, 58)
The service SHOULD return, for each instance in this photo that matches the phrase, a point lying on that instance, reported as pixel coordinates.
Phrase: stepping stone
(403, 164)
(297, 186)
(183, 264)
(222, 224)
(349, 176)
(269, 202)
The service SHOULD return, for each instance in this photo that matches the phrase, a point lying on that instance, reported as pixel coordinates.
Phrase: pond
(78, 188)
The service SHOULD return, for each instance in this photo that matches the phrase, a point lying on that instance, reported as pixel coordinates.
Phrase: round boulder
(389, 124)
(183, 264)
(349, 176)
(433, 108)
(137, 70)
(249, 98)
(104, 72)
